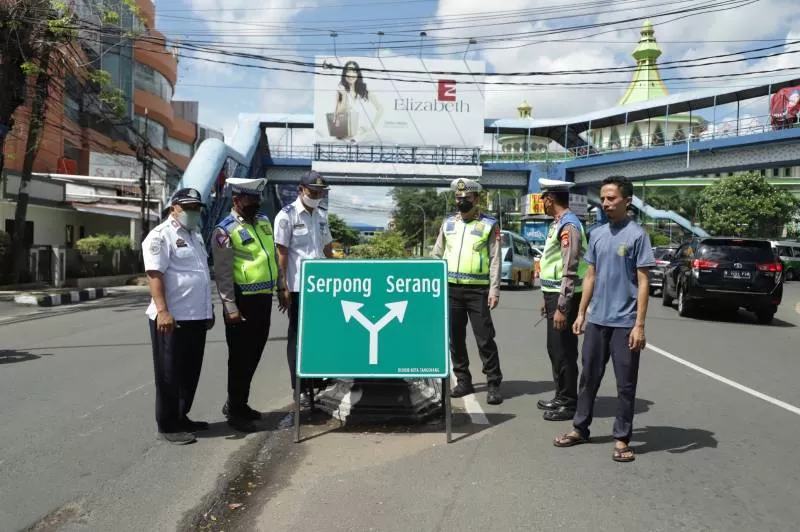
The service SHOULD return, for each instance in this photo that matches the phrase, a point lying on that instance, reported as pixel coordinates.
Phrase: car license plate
(737, 275)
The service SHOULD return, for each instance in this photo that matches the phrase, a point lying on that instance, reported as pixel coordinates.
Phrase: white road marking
(83, 435)
(126, 394)
(755, 393)
(473, 408)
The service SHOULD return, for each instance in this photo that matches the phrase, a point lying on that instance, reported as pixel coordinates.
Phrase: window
(179, 147)
(152, 82)
(72, 99)
(155, 132)
(71, 151)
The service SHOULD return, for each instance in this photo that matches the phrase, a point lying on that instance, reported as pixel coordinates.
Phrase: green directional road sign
(373, 319)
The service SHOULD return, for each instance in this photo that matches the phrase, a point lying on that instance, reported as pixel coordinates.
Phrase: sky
(512, 36)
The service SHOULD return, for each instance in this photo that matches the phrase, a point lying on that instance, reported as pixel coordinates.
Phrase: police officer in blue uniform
(180, 313)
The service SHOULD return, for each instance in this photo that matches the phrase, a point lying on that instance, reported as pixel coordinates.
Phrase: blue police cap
(313, 179)
(186, 196)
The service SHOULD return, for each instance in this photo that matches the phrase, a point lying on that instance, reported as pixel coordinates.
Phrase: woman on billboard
(351, 121)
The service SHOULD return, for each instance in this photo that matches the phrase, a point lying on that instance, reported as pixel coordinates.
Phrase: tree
(411, 203)
(746, 205)
(38, 34)
(341, 232)
(384, 245)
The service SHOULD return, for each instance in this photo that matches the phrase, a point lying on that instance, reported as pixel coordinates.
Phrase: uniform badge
(222, 240)
(299, 225)
(175, 224)
(181, 243)
(283, 224)
(449, 227)
(479, 227)
(155, 247)
(621, 250)
(244, 234)
(266, 228)
(322, 227)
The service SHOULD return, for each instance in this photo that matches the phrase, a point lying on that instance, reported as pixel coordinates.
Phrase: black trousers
(599, 344)
(246, 341)
(291, 345)
(177, 360)
(562, 346)
(471, 303)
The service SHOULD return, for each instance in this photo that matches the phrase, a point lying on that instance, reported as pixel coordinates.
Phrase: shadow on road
(270, 421)
(9, 356)
(607, 406)
(674, 440)
(512, 389)
(135, 344)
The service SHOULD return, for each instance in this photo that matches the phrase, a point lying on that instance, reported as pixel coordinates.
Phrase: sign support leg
(297, 409)
(448, 411)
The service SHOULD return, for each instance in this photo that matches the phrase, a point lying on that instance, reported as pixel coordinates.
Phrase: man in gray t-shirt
(613, 309)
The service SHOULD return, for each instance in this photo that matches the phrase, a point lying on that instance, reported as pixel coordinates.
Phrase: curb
(63, 298)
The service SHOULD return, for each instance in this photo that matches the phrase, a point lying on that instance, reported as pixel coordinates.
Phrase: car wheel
(765, 317)
(666, 299)
(684, 306)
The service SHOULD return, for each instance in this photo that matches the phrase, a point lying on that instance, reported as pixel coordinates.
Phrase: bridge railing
(472, 156)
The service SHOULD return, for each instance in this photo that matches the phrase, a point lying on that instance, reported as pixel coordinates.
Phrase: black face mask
(464, 205)
(248, 212)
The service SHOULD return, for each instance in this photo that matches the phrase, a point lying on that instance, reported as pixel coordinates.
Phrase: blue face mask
(188, 219)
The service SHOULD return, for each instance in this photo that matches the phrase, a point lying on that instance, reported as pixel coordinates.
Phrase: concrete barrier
(61, 298)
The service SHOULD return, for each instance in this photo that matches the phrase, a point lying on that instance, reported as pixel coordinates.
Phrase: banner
(535, 231)
(399, 101)
(534, 204)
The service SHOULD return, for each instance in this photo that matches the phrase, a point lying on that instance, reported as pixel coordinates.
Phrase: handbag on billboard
(342, 125)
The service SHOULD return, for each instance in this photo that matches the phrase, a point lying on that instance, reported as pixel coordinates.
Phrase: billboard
(535, 231)
(399, 101)
(784, 107)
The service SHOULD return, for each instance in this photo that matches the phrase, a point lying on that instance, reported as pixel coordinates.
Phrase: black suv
(664, 256)
(725, 272)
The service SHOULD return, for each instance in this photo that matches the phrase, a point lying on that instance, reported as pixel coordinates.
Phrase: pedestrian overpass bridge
(752, 144)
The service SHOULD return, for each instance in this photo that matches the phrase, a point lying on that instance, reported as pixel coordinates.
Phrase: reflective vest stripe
(546, 283)
(468, 276)
(257, 287)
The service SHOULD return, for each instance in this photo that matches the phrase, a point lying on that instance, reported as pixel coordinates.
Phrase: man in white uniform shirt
(301, 232)
(180, 313)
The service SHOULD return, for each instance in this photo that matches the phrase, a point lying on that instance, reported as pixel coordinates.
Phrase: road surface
(716, 426)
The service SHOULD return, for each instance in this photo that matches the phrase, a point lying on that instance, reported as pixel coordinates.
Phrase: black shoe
(251, 414)
(242, 425)
(177, 438)
(493, 396)
(246, 413)
(552, 404)
(461, 390)
(562, 413)
(194, 426)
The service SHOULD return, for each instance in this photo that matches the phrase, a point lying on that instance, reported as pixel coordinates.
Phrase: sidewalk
(51, 297)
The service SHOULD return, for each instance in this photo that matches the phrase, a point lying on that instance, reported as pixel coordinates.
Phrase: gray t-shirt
(616, 251)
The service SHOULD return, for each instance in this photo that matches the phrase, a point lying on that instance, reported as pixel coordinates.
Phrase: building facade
(107, 155)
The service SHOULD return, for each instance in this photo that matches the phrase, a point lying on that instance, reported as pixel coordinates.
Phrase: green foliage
(62, 23)
(341, 232)
(385, 245)
(111, 96)
(99, 244)
(410, 203)
(659, 240)
(683, 200)
(746, 205)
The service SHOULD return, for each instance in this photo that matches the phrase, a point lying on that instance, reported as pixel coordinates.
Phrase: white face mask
(313, 203)
(188, 219)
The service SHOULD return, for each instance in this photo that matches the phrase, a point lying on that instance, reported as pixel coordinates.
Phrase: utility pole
(143, 156)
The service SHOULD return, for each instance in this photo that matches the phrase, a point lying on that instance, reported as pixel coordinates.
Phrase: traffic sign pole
(374, 320)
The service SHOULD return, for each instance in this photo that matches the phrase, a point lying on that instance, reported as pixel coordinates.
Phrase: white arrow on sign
(353, 310)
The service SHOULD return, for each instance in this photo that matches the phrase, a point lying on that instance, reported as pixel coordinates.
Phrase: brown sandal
(619, 451)
(569, 439)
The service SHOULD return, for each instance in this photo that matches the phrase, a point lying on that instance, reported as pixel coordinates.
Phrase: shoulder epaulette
(227, 223)
(488, 218)
(288, 208)
(262, 216)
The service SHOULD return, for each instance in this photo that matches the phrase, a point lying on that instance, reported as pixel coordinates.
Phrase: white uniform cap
(555, 185)
(248, 187)
(465, 185)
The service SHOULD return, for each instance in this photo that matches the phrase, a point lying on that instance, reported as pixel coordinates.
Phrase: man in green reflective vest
(246, 272)
(562, 270)
(470, 242)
